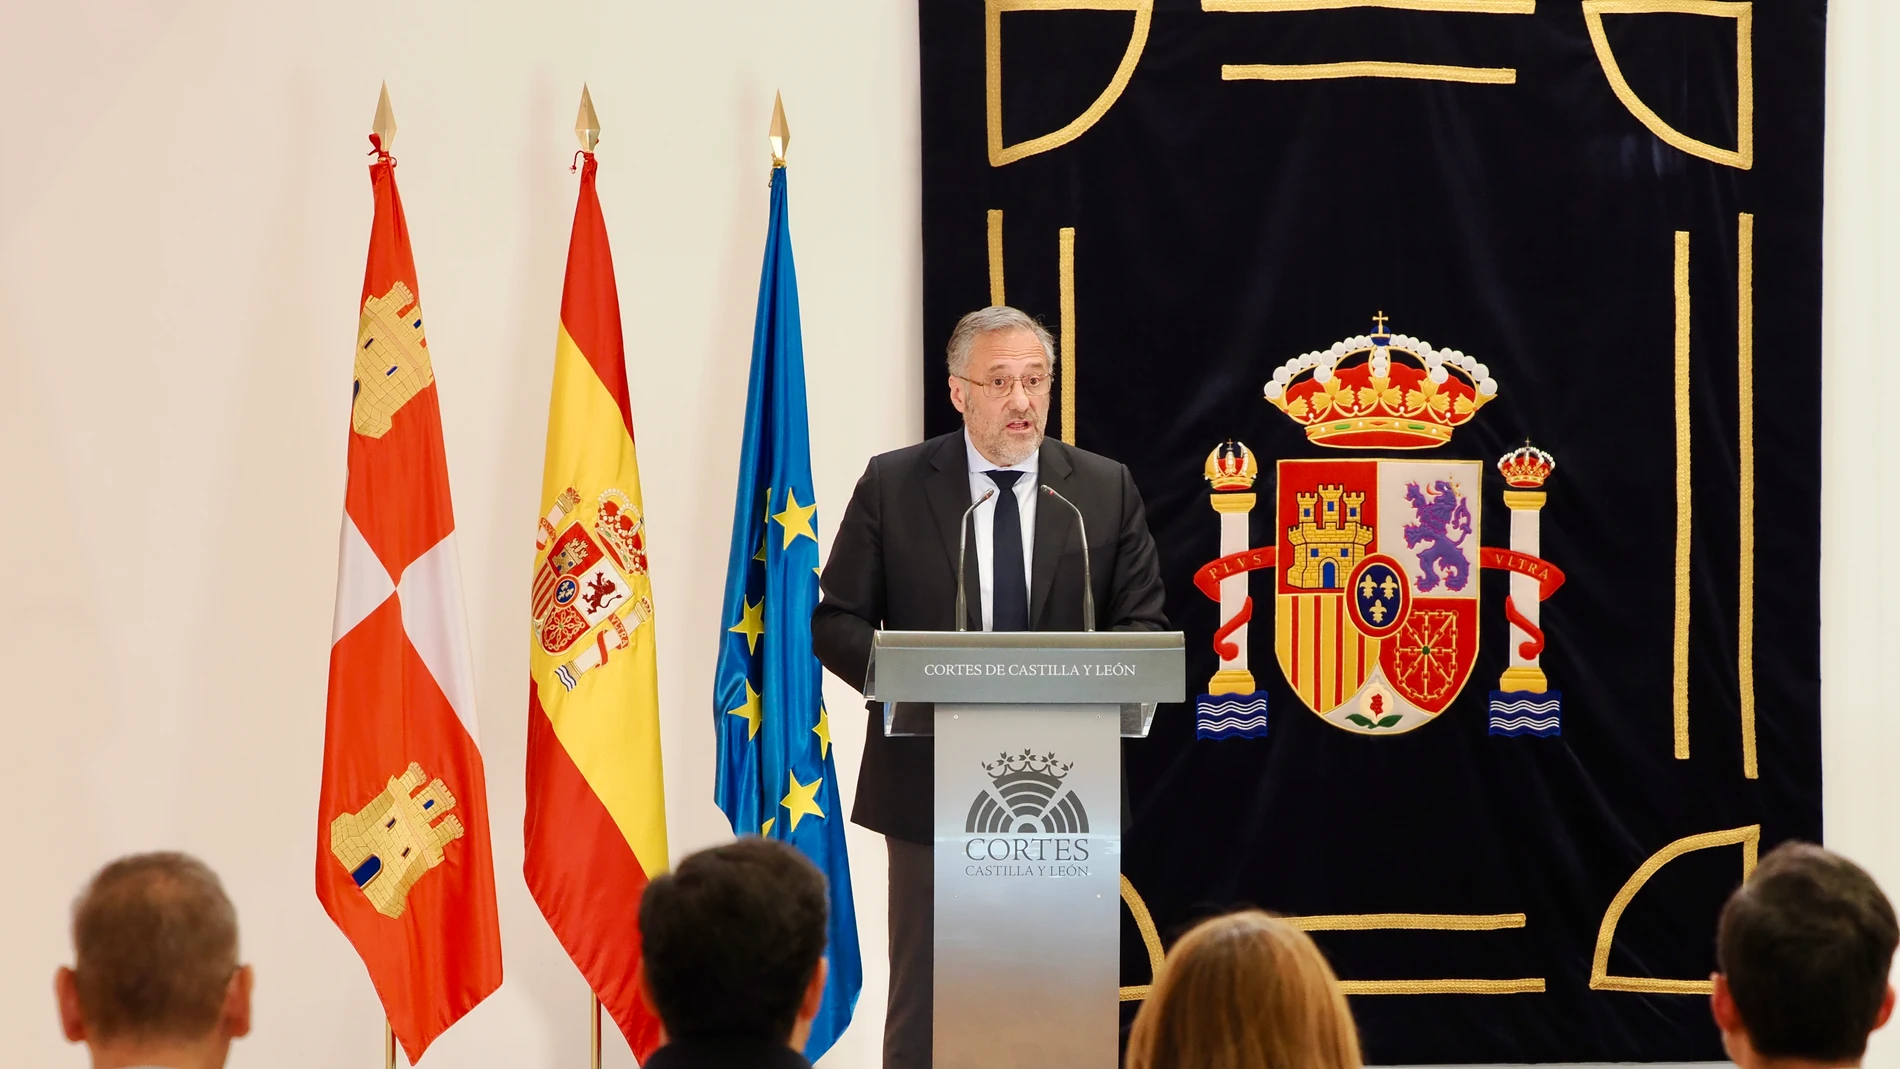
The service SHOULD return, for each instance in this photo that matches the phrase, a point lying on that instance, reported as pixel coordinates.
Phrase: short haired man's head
(155, 945)
(1002, 365)
(1804, 948)
(732, 943)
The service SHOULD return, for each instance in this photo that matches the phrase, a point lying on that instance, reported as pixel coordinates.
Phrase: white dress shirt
(983, 520)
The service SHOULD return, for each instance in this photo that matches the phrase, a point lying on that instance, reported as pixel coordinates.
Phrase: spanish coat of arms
(1377, 561)
(591, 590)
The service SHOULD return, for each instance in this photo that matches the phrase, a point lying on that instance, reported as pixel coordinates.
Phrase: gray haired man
(894, 565)
(155, 980)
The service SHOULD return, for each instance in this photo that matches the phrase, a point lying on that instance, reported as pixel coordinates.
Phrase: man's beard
(997, 444)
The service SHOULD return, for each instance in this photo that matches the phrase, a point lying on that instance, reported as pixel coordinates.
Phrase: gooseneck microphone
(1088, 584)
(963, 534)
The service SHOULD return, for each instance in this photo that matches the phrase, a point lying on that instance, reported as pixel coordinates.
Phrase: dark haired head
(1804, 947)
(731, 939)
(155, 945)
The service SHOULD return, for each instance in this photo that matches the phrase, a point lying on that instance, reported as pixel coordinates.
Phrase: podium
(1028, 729)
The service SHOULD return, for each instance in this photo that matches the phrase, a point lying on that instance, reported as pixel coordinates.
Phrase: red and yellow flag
(596, 820)
(403, 860)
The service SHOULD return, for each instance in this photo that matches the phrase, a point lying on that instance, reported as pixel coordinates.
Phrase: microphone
(963, 534)
(1088, 585)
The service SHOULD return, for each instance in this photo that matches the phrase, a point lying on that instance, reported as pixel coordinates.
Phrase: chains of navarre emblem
(1377, 561)
(591, 590)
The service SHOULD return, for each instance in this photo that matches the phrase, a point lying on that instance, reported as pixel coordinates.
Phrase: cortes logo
(1026, 797)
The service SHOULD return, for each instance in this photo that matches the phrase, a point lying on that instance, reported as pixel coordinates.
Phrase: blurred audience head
(155, 978)
(1802, 952)
(1244, 991)
(732, 944)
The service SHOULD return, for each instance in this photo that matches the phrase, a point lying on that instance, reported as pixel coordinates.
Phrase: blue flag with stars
(776, 776)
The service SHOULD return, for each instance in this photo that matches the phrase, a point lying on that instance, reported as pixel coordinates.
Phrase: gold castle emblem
(1329, 541)
(390, 843)
(392, 360)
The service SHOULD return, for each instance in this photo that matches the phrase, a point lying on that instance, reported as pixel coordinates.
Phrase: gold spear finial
(384, 124)
(587, 124)
(780, 134)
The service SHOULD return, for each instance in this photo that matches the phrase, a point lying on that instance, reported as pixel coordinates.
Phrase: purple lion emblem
(1439, 516)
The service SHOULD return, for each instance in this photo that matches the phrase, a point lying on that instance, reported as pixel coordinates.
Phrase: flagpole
(587, 131)
(593, 1031)
(383, 131)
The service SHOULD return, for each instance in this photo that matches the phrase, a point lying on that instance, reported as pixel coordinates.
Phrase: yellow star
(803, 799)
(751, 625)
(823, 731)
(766, 828)
(751, 710)
(796, 519)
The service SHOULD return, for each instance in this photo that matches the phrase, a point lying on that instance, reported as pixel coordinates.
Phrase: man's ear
(1722, 1005)
(1886, 1008)
(815, 992)
(645, 988)
(66, 993)
(237, 1004)
(956, 392)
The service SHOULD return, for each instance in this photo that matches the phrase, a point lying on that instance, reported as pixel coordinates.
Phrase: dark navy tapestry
(1467, 355)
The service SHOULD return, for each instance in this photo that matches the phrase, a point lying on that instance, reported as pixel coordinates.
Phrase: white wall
(184, 210)
(183, 213)
(1860, 739)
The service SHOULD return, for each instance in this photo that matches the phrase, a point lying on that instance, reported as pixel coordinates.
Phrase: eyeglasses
(1035, 384)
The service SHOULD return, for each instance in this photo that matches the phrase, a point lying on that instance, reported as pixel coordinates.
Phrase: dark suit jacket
(726, 1054)
(893, 565)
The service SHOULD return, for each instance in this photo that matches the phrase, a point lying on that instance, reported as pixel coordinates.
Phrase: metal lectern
(1028, 834)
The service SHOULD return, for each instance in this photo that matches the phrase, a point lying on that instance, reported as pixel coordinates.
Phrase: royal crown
(1381, 391)
(1526, 467)
(1045, 765)
(1231, 466)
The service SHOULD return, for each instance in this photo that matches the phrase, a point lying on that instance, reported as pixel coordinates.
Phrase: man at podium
(1011, 498)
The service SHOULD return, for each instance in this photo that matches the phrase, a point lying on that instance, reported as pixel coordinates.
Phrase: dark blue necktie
(1009, 597)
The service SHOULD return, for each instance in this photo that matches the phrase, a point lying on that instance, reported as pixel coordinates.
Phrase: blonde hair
(1244, 991)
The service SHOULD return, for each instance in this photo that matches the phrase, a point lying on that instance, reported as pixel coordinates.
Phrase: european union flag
(776, 776)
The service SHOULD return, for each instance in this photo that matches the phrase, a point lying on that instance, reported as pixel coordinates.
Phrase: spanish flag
(403, 862)
(596, 819)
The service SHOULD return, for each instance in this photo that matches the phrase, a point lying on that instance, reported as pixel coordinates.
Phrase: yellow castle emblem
(1329, 541)
(390, 843)
(392, 360)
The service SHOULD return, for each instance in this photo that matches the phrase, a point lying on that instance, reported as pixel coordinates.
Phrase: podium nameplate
(1132, 670)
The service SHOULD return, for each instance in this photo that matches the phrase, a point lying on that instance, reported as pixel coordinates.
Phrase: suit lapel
(947, 489)
(1055, 526)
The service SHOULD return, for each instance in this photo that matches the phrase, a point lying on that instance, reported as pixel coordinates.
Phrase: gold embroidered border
(1366, 68)
(996, 256)
(1453, 922)
(1470, 7)
(1742, 156)
(1530, 985)
(1363, 922)
(1749, 838)
(1745, 374)
(1150, 938)
(1065, 273)
(1679, 672)
(1001, 154)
